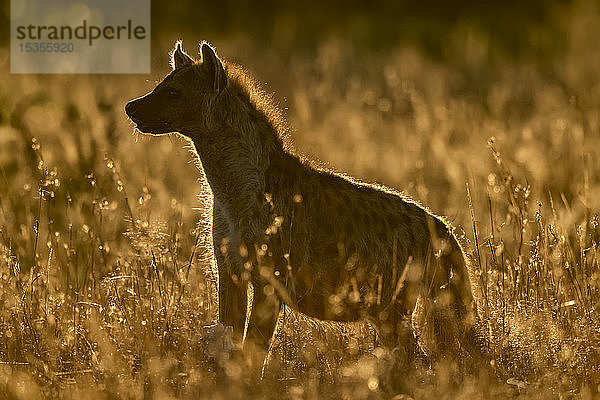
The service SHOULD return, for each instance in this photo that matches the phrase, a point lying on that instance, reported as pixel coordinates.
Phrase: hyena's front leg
(259, 253)
(232, 302)
(263, 301)
(226, 335)
(265, 309)
(232, 292)
(252, 302)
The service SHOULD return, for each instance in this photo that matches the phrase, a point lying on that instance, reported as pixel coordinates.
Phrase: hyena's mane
(244, 90)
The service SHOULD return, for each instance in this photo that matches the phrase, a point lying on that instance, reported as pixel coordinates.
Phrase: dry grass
(105, 276)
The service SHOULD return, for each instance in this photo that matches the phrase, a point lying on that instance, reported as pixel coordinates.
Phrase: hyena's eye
(174, 93)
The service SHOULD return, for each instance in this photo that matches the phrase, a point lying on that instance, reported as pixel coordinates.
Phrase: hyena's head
(182, 101)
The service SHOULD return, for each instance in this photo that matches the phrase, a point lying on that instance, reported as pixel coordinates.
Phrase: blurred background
(426, 97)
(368, 88)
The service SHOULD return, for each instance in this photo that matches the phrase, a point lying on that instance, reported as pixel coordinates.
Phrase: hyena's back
(349, 244)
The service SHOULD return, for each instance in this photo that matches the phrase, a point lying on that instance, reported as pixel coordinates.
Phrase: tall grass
(106, 269)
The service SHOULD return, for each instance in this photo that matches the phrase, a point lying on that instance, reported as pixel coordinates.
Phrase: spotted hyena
(324, 243)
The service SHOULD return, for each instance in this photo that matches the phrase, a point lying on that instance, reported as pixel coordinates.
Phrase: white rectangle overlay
(80, 36)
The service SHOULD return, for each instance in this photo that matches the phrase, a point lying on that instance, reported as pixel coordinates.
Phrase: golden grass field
(106, 271)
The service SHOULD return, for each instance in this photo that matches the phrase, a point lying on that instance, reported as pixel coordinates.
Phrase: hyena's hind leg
(445, 315)
(395, 332)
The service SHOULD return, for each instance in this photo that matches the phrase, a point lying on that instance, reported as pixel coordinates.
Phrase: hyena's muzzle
(147, 116)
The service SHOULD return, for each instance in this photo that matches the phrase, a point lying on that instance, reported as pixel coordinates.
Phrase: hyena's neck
(235, 158)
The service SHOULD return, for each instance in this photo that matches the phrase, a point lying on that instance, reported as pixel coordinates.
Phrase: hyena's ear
(179, 58)
(214, 66)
